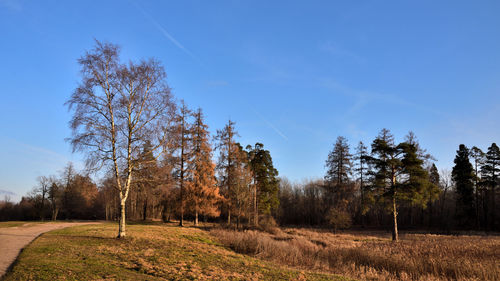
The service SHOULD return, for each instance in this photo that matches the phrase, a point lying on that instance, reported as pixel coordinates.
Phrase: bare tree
(42, 189)
(117, 108)
(55, 196)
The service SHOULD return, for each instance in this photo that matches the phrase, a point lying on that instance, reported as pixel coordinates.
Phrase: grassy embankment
(374, 256)
(5, 224)
(150, 252)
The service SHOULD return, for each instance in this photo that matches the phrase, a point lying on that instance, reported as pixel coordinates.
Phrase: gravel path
(14, 239)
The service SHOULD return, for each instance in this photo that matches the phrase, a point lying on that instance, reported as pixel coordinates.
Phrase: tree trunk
(55, 211)
(121, 228)
(196, 218)
(256, 212)
(145, 209)
(395, 216)
(229, 217)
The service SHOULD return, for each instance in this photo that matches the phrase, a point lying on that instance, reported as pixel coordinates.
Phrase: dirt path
(13, 239)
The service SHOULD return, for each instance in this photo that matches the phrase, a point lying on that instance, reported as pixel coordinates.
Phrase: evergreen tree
(490, 175)
(266, 181)
(361, 170)
(463, 176)
(337, 178)
(479, 157)
(434, 175)
(417, 185)
(146, 180)
(386, 159)
(228, 162)
(399, 174)
(339, 163)
(184, 150)
(202, 189)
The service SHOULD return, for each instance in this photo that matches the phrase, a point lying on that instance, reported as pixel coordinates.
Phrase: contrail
(270, 125)
(165, 33)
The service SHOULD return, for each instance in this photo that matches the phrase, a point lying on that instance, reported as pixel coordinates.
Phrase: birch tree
(116, 108)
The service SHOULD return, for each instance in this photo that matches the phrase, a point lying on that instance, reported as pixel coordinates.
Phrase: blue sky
(293, 75)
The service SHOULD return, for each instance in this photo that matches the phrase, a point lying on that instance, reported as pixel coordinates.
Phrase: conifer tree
(337, 178)
(434, 175)
(184, 150)
(490, 176)
(417, 186)
(266, 183)
(463, 176)
(479, 157)
(229, 156)
(386, 160)
(146, 180)
(202, 189)
(361, 168)
(339, 163)
(399, 174)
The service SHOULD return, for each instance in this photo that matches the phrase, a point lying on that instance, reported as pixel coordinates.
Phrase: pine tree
(479, 157)
(339, 163)
(146, 180)
(266, 183)
(463, 176)
(339, 170)
(361, 168)
(399, 174)
(184, 150)
(417, 186)
(387, 164)
(490, 175)
(229, 158)
(434, 175)
(203, 192)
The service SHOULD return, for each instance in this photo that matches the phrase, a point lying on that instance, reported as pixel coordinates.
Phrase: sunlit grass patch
(150, 252)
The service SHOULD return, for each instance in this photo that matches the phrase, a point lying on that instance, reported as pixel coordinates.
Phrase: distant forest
(161, 163)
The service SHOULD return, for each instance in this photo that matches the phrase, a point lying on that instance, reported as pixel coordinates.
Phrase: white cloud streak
(270, 125)
(165, 33)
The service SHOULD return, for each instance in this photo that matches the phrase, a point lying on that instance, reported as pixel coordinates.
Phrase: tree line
(393, 185)
(159, 161)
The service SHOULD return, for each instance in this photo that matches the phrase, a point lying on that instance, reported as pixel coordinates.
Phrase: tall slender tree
(266, 183)
(479, 157)
(203, 192)
(490, 176)
(386, 160)
(361, 168)
(339, 162)
(463, 176)
(338, 175)
(184, 154)
(229, 155)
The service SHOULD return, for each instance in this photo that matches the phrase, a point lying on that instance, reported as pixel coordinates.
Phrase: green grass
(150, 252)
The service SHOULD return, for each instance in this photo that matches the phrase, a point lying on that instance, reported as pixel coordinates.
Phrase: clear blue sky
(292, 74)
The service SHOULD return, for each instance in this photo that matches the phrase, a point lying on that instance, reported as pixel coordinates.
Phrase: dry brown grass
(374, 256)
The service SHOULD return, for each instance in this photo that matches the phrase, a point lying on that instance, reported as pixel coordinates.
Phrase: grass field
(373, 256)
(5, 224)
(150, 252)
